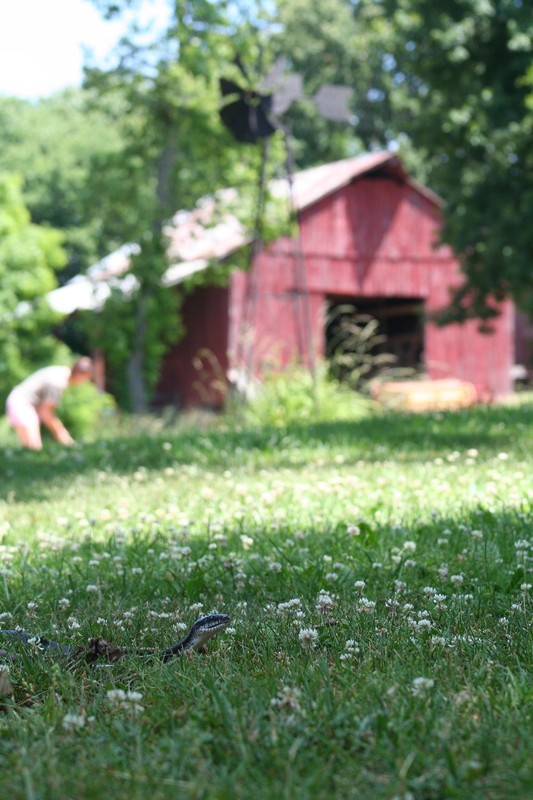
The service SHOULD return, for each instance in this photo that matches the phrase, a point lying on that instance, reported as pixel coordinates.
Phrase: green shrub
(82, 407)
(291, 395)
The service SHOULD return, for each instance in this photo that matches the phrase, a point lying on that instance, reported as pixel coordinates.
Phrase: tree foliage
(342, 43)
(30, 256)
(448, 81)
(56, 146)
(469, 111)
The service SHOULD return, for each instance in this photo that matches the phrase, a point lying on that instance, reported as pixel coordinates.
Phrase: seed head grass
(378, 574)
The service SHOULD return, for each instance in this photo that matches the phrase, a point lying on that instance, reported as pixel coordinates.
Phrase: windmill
(253, 116)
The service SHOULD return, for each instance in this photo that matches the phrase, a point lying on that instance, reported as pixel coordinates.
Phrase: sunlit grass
(378, 574)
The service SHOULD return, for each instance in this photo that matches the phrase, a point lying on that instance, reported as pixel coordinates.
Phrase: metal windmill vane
(254, 115)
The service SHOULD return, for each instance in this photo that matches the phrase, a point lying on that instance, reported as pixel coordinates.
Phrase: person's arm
(47, 416)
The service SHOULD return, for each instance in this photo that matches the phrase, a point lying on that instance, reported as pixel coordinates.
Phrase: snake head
(208, 626)
(202, 630)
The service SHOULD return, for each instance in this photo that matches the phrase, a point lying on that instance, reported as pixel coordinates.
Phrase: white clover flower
(325, 601)
(91, 587)
(351, 647)
(360, 585)
(287, 699)
(421, 686)
(308, 637)
(64, 603)
(457, 579)
(289, 605)
(366, 605)
(346, 656)
(246, 542)
(128, 701)
(353, 530)
(73, 722)
(409, 546)
(116, 696)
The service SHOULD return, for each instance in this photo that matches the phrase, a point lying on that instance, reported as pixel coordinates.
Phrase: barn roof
(315, 183)
(209, 232)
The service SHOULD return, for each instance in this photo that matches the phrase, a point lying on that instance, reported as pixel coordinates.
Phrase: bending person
(33, 402)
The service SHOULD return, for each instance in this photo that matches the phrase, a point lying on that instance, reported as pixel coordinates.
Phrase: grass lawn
(378, 573)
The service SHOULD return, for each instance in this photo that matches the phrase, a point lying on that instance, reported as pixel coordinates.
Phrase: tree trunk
(136, 381)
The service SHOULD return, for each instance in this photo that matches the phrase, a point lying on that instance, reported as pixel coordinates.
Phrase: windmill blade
(290, 90)
(274, 77)
(333, 102)
(247, 117)
(228, 87)
(285, 88)
(239, 63)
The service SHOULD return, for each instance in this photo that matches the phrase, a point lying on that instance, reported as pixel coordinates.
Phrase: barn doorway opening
(376, 332)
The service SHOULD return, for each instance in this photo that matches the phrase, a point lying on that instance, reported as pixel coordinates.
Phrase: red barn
(368, 237)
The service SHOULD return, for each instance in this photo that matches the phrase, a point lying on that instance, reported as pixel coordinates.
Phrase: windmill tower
(253, 115)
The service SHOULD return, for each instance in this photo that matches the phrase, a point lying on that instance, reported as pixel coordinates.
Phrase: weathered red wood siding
(195, 366)
(374, 238)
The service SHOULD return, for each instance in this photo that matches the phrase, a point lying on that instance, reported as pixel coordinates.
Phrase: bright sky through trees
(42, 42)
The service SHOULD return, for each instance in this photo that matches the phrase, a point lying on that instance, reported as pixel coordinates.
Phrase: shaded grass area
(378, 578)
(374, 438)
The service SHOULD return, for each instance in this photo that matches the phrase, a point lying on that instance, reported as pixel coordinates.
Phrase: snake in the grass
(200, 633)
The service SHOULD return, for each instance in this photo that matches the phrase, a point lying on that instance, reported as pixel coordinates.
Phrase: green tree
(173, 150)
(30, 256)
(468, 65)
(344, 43)
(55, 145)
